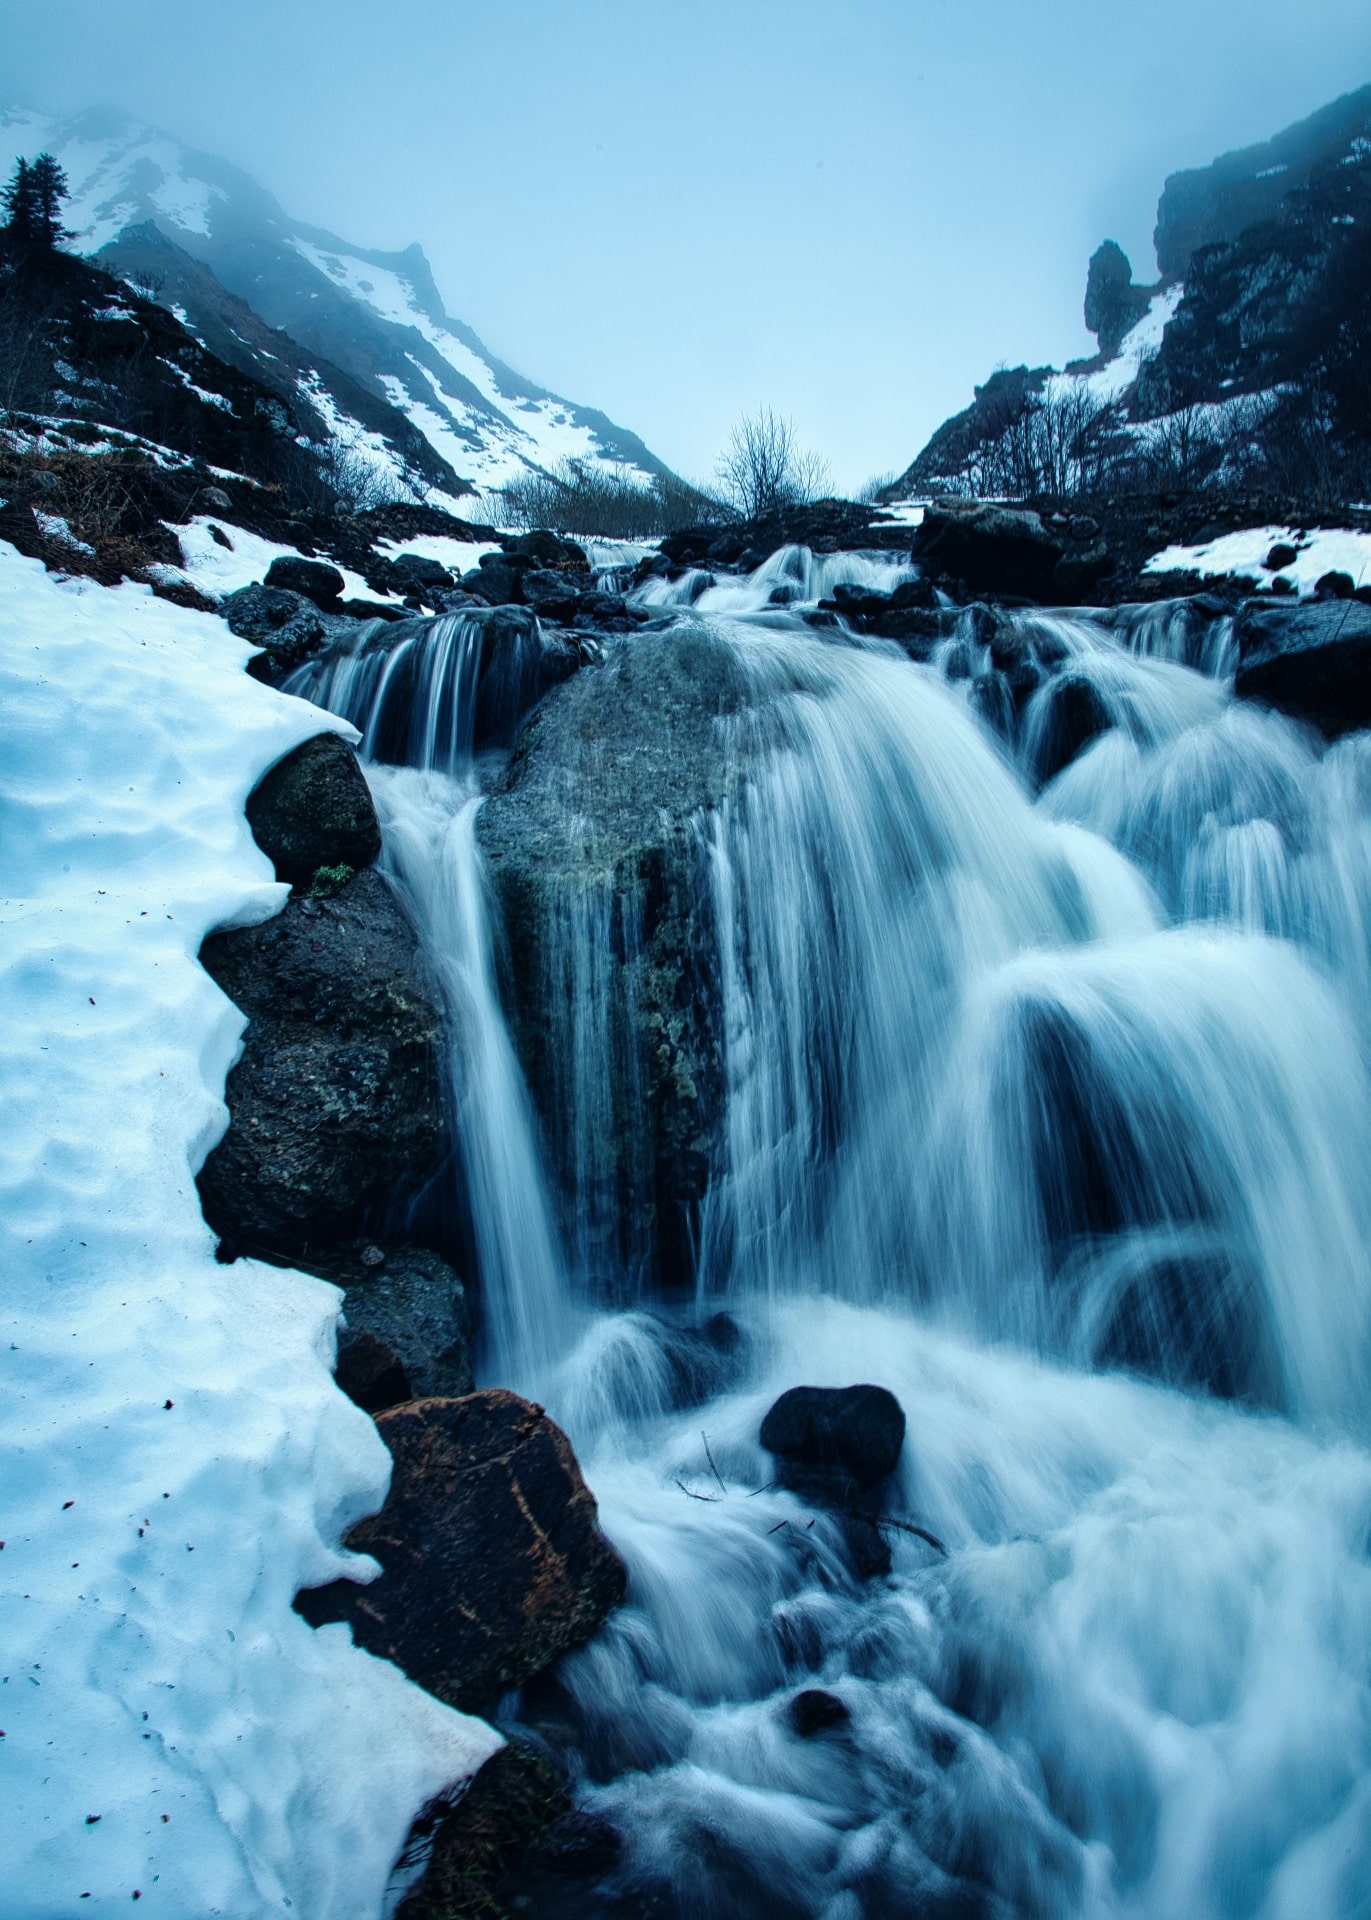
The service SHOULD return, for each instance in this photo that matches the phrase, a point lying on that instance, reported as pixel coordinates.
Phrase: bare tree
(763, 470)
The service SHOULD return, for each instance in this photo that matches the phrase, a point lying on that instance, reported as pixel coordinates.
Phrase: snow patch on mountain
(176, 1459)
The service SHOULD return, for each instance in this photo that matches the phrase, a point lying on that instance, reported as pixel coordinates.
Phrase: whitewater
(1047, 1108)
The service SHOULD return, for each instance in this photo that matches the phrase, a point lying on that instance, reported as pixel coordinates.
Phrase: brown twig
(713, 1469)
(710, 1499)
(907, 1526)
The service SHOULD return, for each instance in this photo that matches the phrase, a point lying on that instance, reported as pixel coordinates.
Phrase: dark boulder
(514, 1844)
(1077, 575)
(1310, 659)
(632, 752)
(852, 1435)
(993, 549)
(545, 549)
(1281, 555)
(408, 1331)
(493, 1561)
(1198, 1320)
(412, 576)
(858, 602)
(336, 1104)
(423, 572)
(315, 579)
(1335, 585)
(497, 581)
(553, 595)
(289, 628)
(314, 809)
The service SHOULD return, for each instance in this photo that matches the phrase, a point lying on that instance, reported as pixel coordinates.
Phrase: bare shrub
(586, 501)
(763, 470)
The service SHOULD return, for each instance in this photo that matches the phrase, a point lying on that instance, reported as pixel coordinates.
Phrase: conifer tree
(50, 190)
(21, 206)
(33, 204)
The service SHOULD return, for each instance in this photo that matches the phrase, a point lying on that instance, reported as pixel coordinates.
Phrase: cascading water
(1024, 1099)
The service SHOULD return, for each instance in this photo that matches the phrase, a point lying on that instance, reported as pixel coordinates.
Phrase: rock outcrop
(1113, 303)
(493, 1562)
(336, 1104)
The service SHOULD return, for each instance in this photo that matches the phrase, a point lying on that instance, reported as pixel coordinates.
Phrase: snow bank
(1325, 550)
(218, 570)
(458, 556)
(175, 1461)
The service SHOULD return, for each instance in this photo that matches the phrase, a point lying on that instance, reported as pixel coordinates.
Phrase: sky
(850, 212)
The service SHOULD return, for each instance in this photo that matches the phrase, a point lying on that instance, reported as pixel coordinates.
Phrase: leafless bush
(763, 469)
(587, 501)
(870, 491)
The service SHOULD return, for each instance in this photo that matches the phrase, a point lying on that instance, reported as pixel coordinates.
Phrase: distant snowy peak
(376, 319)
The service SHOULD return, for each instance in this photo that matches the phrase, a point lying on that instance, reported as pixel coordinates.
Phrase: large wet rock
(593, 849)
(407, 1332)
(1011, 552)
(850, 1436)
(493, 1561)
(1311, 659)
(314, 809)
(336, 1105)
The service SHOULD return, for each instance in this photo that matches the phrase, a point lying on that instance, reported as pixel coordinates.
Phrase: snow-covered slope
(376, 316)
(175, 1460)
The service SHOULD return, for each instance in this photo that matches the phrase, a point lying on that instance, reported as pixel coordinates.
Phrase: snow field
(175, 1460)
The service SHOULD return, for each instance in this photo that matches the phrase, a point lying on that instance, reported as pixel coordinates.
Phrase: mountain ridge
(374, 316)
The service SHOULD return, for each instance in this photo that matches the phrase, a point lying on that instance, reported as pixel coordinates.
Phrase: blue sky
(849, 212)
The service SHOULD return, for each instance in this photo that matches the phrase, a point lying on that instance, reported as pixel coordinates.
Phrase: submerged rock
(852, 1435)
(336, 1104)
(1069, 713)
(493, 1562)
(814, 1711)
(314, 809)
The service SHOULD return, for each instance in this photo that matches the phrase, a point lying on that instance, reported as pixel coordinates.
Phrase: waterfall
(412, 689)
(1038, 976)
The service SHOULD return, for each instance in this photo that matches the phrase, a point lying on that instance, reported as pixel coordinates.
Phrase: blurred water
(1047, 1108)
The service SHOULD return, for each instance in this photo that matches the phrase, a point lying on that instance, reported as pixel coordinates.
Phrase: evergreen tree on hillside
(50, 190)
(33, 204)
(20, 201)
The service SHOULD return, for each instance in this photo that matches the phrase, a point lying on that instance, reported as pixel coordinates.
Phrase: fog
(849, 213)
